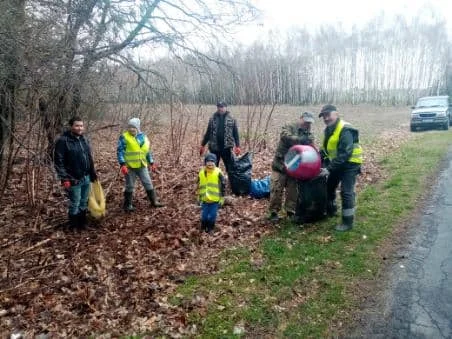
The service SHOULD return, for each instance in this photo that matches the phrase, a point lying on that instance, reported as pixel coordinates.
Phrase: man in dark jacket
(222, 135)
(342, 158)
(75, 168)
(298, 133)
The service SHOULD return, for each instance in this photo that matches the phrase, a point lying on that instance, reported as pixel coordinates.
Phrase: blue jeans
(209, 211)
(143, 174)
(78, 196)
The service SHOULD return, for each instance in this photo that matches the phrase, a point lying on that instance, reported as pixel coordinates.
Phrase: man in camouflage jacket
(298, 133)
(222, 135)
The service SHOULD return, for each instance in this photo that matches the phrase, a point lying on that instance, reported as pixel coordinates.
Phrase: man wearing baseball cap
(298, 133)
(222, 135)
(342, 158)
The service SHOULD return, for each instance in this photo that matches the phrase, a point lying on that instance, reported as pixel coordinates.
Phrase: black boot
(153, 198)
(203, 226)
(82, 219)
(210, 226)
(331, 208)
(128, 207)
(346, 225)
(73, 221)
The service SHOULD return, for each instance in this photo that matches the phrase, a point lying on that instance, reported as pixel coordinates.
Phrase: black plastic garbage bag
(312, 200)
(260, 188)
(240, 174)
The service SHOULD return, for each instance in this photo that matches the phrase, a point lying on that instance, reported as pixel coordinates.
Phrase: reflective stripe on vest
(333, 141)
(135, 155)
(209, 185)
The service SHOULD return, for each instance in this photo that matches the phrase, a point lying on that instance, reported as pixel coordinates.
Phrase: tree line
(389, 63)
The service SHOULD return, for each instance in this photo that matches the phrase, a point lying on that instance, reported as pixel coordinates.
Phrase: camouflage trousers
(279, 182)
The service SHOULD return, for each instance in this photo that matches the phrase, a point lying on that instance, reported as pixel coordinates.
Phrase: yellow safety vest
(333, 141)
(135, 155)
(209, 185)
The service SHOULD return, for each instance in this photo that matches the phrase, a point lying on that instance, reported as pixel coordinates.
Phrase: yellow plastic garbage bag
(96, 200)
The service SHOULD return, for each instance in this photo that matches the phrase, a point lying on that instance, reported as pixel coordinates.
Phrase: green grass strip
(299, 282)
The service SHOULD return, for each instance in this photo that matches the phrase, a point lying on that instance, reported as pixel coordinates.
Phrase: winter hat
(210, 157)
(134, 122)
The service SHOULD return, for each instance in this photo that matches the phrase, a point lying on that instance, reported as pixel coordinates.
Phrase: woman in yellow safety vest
(211, 187)
(342, 158)
(134, 157)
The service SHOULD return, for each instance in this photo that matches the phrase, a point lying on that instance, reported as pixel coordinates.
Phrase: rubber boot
(290, 216)
(331, 208)
(81, 219)
(346, 225)
(153, 198)
(203, 226)
(128, 207)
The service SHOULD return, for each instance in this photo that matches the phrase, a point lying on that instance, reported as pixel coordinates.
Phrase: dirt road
(417, 302)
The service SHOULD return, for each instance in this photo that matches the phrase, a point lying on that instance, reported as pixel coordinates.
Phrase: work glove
(124, 169)
(324, 172)
(221, 202)
(66, 184)
(202, 150)
(153, 167)
(237, 150)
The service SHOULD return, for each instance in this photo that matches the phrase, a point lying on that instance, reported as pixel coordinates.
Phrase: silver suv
(431, 112)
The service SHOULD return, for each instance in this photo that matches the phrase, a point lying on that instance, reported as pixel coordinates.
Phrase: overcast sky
(283, 14)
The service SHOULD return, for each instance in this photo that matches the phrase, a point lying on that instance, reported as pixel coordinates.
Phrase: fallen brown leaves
(115, 277)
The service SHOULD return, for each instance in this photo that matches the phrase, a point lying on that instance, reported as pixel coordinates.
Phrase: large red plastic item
(302, 162)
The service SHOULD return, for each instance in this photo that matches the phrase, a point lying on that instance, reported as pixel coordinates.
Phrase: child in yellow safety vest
(211, 187)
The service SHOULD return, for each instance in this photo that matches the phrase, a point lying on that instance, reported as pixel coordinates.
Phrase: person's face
(77, 128)
(330, 118)
(132, 130)
(221, 110)
(210, 164)
(305, 124)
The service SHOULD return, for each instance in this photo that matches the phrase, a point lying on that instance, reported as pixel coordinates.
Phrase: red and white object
(302, 162)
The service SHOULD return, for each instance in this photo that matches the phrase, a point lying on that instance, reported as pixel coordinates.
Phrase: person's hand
(124, 169)
(324, 172)
(202, 149)
(153, 167)
(66, 184)
(237, 150)
(221, 202)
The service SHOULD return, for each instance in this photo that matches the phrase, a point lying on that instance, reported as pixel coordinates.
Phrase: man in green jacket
(298, 133)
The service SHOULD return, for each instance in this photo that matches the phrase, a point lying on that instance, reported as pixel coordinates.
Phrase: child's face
(210, 164)
(132, 130)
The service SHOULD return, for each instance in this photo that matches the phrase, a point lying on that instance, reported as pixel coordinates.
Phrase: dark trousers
(226, 155)
(347, 179)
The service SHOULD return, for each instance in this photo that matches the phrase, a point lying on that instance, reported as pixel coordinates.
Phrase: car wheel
(412, 128)
(446, 126)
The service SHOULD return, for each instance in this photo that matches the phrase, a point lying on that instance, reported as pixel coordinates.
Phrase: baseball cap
(210, 157)
(327, 109)
(221, 104)
(308, 117)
